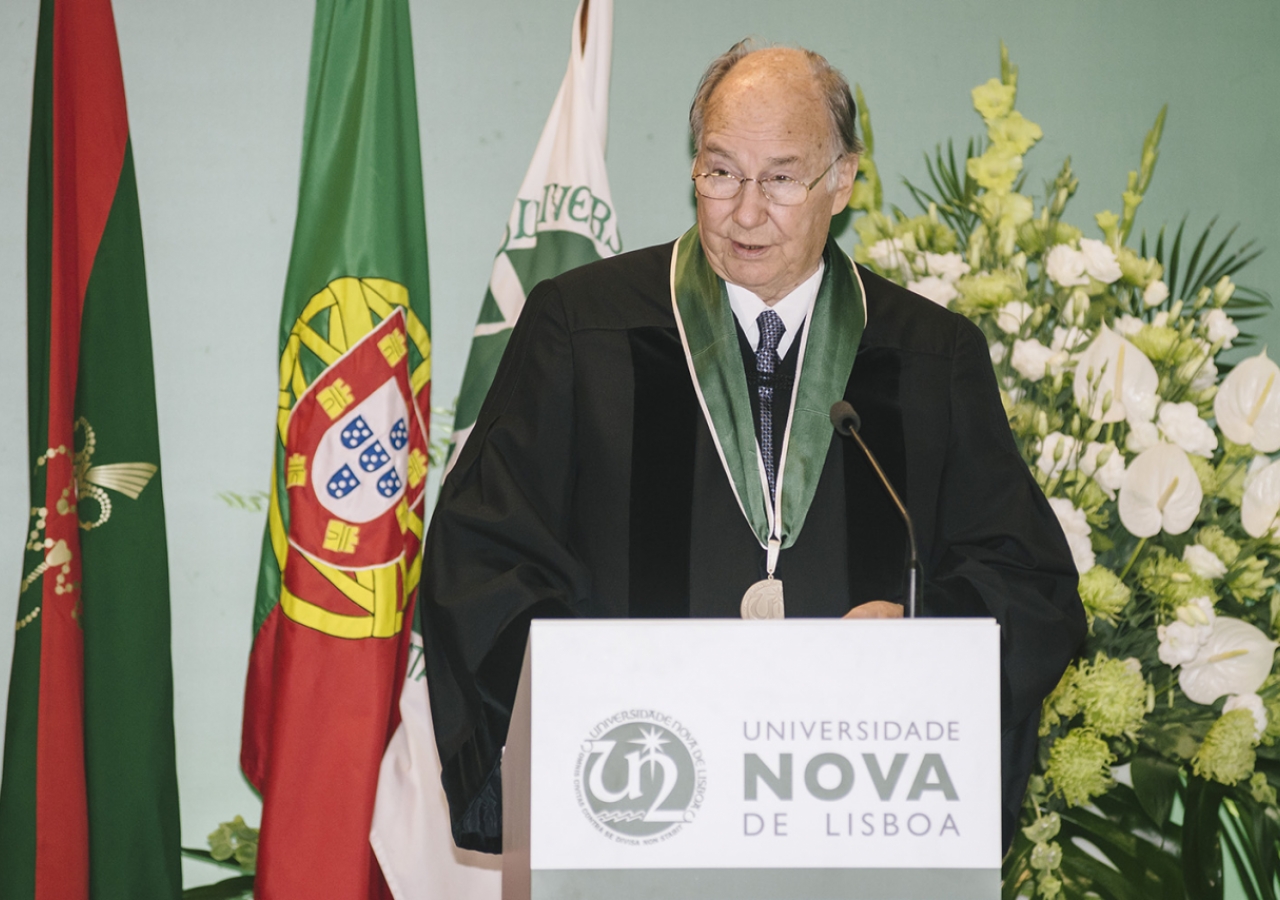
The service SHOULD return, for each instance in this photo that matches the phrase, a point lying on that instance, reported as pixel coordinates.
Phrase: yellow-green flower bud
(1045, 828)
(1046, 856)
(993, 99)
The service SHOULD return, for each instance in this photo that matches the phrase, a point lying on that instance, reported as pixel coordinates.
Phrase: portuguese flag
(89, 798)
(340, 560)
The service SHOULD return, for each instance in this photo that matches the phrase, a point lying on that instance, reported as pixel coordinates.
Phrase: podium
(714, 759)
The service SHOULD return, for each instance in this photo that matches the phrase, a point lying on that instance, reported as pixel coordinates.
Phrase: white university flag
(563, 215)
(562, 218)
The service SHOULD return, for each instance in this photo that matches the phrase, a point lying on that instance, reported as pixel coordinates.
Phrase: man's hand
(876, 609)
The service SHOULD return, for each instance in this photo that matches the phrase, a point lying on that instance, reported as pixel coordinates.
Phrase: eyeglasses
(779, 189)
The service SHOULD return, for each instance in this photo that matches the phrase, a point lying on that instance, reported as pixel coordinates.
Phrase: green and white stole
(828, 345)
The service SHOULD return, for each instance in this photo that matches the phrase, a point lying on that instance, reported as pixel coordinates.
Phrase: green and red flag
(340, 560)
(89, 797)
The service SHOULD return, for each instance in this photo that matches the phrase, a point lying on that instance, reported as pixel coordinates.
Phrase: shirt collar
(792, 309)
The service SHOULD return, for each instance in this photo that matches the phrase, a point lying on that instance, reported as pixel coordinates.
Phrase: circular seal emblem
(641, 779)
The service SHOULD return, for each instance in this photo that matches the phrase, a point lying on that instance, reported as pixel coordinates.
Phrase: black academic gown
(591, 487)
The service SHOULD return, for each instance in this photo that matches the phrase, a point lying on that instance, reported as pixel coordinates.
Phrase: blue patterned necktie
(767, 362)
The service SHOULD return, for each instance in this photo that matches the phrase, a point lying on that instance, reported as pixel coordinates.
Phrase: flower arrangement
(1155, 455)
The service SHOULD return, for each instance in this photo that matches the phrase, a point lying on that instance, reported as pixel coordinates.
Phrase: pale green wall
(215, 92)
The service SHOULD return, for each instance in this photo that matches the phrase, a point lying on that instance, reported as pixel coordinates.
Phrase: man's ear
(847, 167)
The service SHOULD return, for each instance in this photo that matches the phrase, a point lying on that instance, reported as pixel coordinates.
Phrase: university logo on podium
(642, 780)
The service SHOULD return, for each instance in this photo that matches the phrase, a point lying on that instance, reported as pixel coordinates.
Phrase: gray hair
(841, 109)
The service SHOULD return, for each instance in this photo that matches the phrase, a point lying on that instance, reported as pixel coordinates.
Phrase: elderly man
(657, 443)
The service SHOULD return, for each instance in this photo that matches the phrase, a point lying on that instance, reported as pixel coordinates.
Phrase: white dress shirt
(792, 309)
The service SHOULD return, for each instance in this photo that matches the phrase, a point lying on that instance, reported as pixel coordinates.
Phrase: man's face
(767, 119)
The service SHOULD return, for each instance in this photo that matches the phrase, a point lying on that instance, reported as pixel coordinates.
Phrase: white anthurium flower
(947, 266)
(1076, 527)
(1100, 261)
(1058, 452)
(1181, 423)
(1065, 265)
(1154, 294)
(1113, 366)
(1179, 642)
(939, 291)
(1254, 704)
(1203, 561)
(1105, 464)
(1219, 327)
(1261, 499)
(1011, 316)
(1129, 325)
(1236, 659)
(1142, 437)
(1030, 359)
(1247, 405)
(1160, 491)
(887, 254)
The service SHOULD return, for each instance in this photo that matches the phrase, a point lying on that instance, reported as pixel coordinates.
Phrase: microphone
(847, 424)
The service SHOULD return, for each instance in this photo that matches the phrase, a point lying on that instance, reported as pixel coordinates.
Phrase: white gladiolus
(934, 288)
(887, 254)
(1076, 528)
(1058, 452)
(1011, 316)
(947, 266)
(1219, 327)
(1099, 261)
(1254, 704)
(1160, 491)
(1181, 423)
(1155, 293)
(1261, 500)
(1179, 642)
(1113, 366)
(1247, 405)
(1109, 473)
(1065, 265)
(1030, 359)
(1236, 659)
(1203, 561)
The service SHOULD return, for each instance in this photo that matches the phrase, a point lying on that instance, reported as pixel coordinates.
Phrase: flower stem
(1134, 558)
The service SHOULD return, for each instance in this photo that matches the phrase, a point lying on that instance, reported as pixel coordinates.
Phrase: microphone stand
(847, 422)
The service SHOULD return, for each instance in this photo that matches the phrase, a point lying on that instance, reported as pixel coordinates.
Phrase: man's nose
(753, 205)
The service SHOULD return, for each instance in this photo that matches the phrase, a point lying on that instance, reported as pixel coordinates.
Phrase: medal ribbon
(828, 346)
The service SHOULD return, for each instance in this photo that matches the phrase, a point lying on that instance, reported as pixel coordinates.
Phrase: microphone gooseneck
(847, 424)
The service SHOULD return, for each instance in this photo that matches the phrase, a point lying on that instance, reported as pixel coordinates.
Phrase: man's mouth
(748, 249)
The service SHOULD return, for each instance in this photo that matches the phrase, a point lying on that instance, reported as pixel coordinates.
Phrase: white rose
(1030, 358)
(1142, 436)
(1155, 293)
(1100, 261)
(1011, 316)
(1110, 473)
(1203, 561)
(1219, 327)
(1128, 325)
(998, 351)
(1181, 423)
(1179, 643)
(939, 291)
(1065, 265)
(887, 254)
(947, 266)
(1052, 460)
(1254, 704)
(1076, 528)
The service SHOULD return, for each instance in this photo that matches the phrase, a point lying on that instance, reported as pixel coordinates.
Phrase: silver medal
(763, 600)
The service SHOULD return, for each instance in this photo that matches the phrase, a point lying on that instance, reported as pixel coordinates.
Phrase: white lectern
(731, 760)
